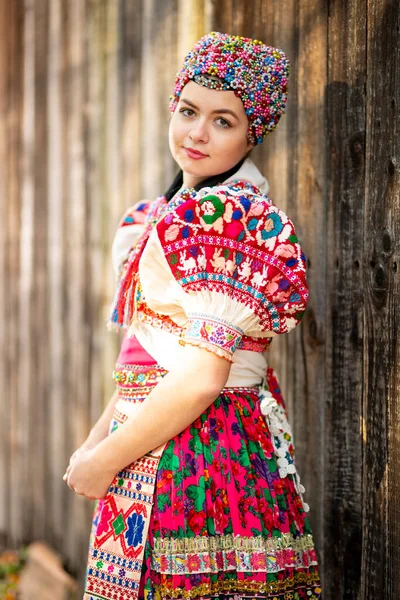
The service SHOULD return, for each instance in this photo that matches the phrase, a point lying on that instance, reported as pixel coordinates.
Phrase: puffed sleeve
(223, 265)
(129, 229)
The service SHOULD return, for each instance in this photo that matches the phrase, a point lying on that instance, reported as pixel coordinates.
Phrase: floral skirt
(224, 521)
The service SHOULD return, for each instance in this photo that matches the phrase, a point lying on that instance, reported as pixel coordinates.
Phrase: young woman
(198, 495)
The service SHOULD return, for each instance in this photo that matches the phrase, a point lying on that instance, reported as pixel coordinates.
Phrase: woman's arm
(175, 403)
(100, 429)
(98, 432)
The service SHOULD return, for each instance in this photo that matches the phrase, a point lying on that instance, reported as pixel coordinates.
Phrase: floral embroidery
(255, 344)
(213, 333)
(134, 535)
(135, 215)
(124, 376)
(104, 521)
(236, 242)
(124, 302)
(230, 239)
(213, 211)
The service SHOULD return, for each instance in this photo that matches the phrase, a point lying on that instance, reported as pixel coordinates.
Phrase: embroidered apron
(121, 519)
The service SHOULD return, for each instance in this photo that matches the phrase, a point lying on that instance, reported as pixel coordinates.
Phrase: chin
(190, 168)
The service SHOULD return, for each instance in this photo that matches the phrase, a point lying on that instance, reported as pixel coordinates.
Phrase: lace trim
(145, 315)
(209, 347)
(282, 437)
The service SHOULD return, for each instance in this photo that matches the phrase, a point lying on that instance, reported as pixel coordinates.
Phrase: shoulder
(229, 245)
(131, 226)
(137, 214)
(238, 211)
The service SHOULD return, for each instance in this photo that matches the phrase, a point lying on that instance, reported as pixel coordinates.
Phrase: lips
(195, 154)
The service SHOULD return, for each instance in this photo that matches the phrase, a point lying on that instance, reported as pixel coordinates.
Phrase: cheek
(171, 138)
(239, 148)
(174, 132)
(178, 131)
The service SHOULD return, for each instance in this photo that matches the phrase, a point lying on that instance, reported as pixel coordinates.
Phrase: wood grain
(84, 89)
(343, 419)
(380, 556)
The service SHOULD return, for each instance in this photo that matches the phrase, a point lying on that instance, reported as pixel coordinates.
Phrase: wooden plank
(150, 163)
(381, 555)
(307, 378)
(5, 26)
(190, 17)
(26, 373)
(76, 257)
(220, 15)
(276, 156)
(169, 48)
(12, 222)
(97, 199)
(67, 398)
(130, 76)
(245, 17)
(344, 330)
(293, 159)
(39, 349)
(58, 397)
(277, 159)
(112, 200)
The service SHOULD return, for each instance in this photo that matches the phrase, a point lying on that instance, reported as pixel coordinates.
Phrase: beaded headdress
(256, 73)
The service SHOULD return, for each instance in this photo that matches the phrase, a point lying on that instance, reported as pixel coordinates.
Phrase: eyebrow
(219, 110)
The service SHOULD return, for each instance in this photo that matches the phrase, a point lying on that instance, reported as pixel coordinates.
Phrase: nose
(198, 131)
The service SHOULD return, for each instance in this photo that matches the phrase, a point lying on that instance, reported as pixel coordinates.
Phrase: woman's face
(207, 133)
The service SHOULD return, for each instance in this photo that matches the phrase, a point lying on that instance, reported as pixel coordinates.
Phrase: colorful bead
(124, 377)
(258, 75)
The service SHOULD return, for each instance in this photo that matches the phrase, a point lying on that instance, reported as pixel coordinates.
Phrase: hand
(86, 477)
(91, 442)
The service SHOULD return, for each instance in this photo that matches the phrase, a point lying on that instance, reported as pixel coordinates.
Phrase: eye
(223, 122)
(187, 112)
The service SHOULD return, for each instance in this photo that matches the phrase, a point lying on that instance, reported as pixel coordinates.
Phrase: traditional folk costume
(217, 512)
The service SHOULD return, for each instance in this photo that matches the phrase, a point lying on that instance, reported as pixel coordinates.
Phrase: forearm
(174, 404)
(100, 429)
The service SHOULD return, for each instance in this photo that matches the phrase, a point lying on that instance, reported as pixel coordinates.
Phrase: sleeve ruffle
(224, 265)
(130, 227)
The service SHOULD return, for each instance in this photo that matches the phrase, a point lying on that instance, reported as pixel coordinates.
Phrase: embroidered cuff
(212, 333)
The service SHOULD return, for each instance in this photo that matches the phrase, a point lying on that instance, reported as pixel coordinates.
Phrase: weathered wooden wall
(84, 89)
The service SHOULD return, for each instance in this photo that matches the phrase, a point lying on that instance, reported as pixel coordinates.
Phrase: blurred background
(84, 87)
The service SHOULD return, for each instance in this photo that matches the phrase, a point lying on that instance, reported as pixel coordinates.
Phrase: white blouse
(249, 367)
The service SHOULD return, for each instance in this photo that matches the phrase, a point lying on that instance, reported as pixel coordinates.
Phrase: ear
(250, 144)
